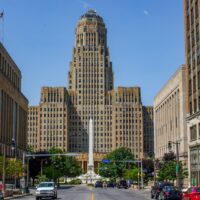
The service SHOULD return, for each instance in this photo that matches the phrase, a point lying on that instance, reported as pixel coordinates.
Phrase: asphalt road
(86, 193)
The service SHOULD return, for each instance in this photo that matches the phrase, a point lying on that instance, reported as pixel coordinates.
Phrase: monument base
(90, 177)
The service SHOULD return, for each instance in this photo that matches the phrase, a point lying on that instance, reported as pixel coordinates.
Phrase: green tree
(57, 163)
(168, 169)
(42, 178)
(52, 173)
(72, 168)
(14, 168)
(131, 174)
(117, 165)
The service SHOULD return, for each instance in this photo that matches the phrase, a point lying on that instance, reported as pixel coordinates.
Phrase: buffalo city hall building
(61, 119)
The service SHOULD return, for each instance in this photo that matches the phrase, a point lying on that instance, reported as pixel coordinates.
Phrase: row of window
(9, 72)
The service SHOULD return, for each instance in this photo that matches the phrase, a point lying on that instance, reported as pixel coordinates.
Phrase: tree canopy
(168, 168)
(118, 163)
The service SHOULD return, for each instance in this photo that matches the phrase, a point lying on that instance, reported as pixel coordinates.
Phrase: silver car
(46, 189)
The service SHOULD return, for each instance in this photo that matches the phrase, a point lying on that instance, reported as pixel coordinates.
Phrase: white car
(46, 189)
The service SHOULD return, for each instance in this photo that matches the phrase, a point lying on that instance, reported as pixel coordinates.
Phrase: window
(193, 132)
(196, 9)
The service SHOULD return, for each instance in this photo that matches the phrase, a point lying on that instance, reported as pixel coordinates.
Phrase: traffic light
(13, 144)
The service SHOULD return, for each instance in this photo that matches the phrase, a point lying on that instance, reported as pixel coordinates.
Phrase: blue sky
(145, 38)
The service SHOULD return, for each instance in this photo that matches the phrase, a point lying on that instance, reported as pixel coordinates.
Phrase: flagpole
(2, 16)
(3, 28)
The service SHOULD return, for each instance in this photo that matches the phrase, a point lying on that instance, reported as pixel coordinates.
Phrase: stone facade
(47, 123)
(192, 60)
(13, 106)
(169, 116)
(117, 114)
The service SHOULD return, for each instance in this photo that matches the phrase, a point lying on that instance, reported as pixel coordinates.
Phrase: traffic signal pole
(177, 161)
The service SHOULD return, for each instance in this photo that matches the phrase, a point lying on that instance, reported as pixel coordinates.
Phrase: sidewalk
(18, 196)
(146, 188)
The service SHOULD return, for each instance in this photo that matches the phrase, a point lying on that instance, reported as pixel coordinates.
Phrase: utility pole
(177, 165)
(142, 182)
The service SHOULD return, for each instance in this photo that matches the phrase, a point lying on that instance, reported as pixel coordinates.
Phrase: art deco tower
(90, 77)
(117, 114)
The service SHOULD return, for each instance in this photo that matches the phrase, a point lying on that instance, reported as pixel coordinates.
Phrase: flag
(1, 14)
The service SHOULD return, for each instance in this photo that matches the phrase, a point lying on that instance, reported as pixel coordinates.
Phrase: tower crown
(91, 15)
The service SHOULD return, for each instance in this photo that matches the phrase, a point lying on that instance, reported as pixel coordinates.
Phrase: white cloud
(146, 12)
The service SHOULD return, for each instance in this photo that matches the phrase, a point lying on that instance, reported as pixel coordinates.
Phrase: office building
(192, 60)
(13, 106)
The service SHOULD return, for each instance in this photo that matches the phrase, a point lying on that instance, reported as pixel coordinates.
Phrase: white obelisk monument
(90, 177)
(91, 147)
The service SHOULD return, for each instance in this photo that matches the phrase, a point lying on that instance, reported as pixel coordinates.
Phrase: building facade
(192, 60)
(47, 123)
(148, 130)
(117, 113)
(13, 106)
(169, 116)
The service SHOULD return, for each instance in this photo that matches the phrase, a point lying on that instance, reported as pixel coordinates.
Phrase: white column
(91, 160)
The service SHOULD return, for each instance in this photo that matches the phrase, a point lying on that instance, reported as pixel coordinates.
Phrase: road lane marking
(92, 196)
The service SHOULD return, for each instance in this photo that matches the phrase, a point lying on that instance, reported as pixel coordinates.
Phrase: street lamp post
(13, 148)
(23, 181)
(154, 166)
(4, 169)
(177, 161)
(142, 181)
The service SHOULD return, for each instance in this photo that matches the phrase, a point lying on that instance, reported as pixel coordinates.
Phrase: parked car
(156, 189)
(170, 192)
(193, 193)
(122, 184)
(46, 189)
(98, 184)
(111, 184)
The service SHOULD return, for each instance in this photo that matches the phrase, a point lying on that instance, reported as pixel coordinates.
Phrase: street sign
(106, 161)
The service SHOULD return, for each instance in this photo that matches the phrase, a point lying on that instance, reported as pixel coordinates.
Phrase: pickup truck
(46, 189)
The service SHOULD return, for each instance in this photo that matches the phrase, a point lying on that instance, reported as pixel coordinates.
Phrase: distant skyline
(146, 41)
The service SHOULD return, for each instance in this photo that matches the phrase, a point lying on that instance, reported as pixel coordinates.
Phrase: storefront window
(195, 165)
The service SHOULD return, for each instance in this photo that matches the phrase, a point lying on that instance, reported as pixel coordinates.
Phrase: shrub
(75, 182)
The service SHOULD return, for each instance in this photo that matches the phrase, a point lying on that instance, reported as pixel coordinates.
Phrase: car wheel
(37, 198)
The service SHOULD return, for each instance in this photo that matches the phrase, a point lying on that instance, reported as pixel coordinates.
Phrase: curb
(17, 196)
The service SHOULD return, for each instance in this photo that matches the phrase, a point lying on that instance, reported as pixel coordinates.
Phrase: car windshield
(197, 189)
(46, 185)
(167, 188)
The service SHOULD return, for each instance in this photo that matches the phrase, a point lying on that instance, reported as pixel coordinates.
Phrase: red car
(193, 193)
